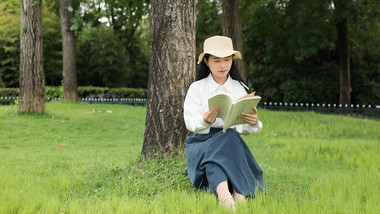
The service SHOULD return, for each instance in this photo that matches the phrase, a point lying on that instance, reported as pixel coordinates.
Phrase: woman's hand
(250, 118)
(210, 116)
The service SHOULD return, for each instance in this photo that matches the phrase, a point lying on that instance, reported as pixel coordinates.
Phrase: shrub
(52, 91)
(86, 92)
(8, 92)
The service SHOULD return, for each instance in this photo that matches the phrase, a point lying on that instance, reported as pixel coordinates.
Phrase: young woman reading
(216, 161)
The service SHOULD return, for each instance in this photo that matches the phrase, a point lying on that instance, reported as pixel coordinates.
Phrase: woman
(216, 161)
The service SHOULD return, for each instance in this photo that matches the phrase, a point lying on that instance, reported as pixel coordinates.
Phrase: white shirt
(196, 104)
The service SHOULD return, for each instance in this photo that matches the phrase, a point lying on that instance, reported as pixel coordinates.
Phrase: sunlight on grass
(72, 160)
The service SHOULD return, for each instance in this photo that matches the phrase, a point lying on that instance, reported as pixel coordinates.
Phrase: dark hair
(203, 72)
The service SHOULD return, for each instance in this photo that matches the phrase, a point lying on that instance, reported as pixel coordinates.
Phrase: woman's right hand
(210, 116)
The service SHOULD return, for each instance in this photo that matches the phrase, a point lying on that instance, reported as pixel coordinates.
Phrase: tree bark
(232, 29)
(70, 79)
(344, 56)
(32, 77)
(171, 71)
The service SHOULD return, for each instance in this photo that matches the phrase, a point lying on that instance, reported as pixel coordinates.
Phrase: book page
(248, 95)
(224, 103)
(244, 105)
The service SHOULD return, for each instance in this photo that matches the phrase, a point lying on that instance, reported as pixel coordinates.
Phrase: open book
(229, 111)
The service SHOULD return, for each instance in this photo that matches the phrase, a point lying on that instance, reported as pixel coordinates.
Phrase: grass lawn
(72, 160)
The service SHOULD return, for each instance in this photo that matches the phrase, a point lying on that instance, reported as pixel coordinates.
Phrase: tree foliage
(125, 39)
(292, 54)
(101, 60)
(208, 21)
(290, 46)
(52, 44)
(113, 43)
(10, 44)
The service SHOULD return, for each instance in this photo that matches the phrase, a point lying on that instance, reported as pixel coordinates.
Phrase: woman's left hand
(251, 118)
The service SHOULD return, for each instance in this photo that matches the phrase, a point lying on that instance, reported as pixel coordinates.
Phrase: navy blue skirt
(217, 156)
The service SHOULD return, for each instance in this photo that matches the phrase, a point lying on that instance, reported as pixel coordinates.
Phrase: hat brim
(220, 53)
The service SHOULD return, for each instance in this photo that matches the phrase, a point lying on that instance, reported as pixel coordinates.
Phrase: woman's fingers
(254, 110)
(210, 116)
(250, 118)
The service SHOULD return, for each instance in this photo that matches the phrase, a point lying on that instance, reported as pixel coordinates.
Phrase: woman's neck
(220, 80)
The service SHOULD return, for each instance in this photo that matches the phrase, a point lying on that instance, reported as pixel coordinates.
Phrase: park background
(290, 47)
(86, 158)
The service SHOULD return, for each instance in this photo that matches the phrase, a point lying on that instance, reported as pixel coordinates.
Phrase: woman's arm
(193, 113)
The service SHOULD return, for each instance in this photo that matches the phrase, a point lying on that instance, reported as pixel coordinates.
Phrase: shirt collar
(213, 85)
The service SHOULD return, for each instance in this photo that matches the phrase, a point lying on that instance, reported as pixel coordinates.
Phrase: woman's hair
(204, 71)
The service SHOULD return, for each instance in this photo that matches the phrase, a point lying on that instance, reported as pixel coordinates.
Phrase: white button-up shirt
(196, 104)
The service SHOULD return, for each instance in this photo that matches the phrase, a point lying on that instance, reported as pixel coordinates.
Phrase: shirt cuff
(258, 124)
(249, 128)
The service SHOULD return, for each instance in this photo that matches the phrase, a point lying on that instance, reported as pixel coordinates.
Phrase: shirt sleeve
(247, 129)
(193, 114)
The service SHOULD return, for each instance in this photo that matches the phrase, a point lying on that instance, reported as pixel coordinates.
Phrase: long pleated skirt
(216, 157)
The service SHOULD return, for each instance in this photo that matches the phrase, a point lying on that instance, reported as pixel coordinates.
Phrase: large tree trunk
(171, 71)
(232, 29)
(70, 82)
(344, 63)
(32, 77)
(344, 54)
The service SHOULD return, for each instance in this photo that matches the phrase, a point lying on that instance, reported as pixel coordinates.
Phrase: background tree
(208, 22)
(70, 82)
(232, 29)
(52, 44)
(128, 19)
(32, 79)
(106, 63)
(290, 47)
(10, 44)
(341, 9)
(288, 60)
(171, 71)
(364, 30)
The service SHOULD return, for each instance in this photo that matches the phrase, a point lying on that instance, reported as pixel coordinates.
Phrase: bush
(86, 92)
(52, 91)
(103, 92)
(8, 92)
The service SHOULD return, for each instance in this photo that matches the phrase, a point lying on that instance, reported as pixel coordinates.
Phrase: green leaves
(9, 43)
(292, 44)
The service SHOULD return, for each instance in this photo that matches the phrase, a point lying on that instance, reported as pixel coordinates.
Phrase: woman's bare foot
(228, 202)
(239, 197)
(224, 196)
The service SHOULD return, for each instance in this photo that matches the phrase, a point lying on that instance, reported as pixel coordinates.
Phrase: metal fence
(126, 101)
(362, 111)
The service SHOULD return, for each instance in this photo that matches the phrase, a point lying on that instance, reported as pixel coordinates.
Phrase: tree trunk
(344, 55)
(32, 77)
(70, 82)
(171, 71)
(232, 29)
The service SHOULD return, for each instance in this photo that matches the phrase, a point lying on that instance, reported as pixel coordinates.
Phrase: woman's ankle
(224, 196)
(238, 197)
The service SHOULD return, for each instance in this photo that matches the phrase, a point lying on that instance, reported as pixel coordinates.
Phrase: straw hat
(219, 46)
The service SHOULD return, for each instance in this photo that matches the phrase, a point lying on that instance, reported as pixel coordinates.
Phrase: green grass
(312, 163)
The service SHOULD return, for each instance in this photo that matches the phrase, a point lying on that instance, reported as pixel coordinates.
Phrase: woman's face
(219, 67)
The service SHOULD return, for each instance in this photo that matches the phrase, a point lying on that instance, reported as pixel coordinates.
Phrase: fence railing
(127, 101)
(362, 111)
